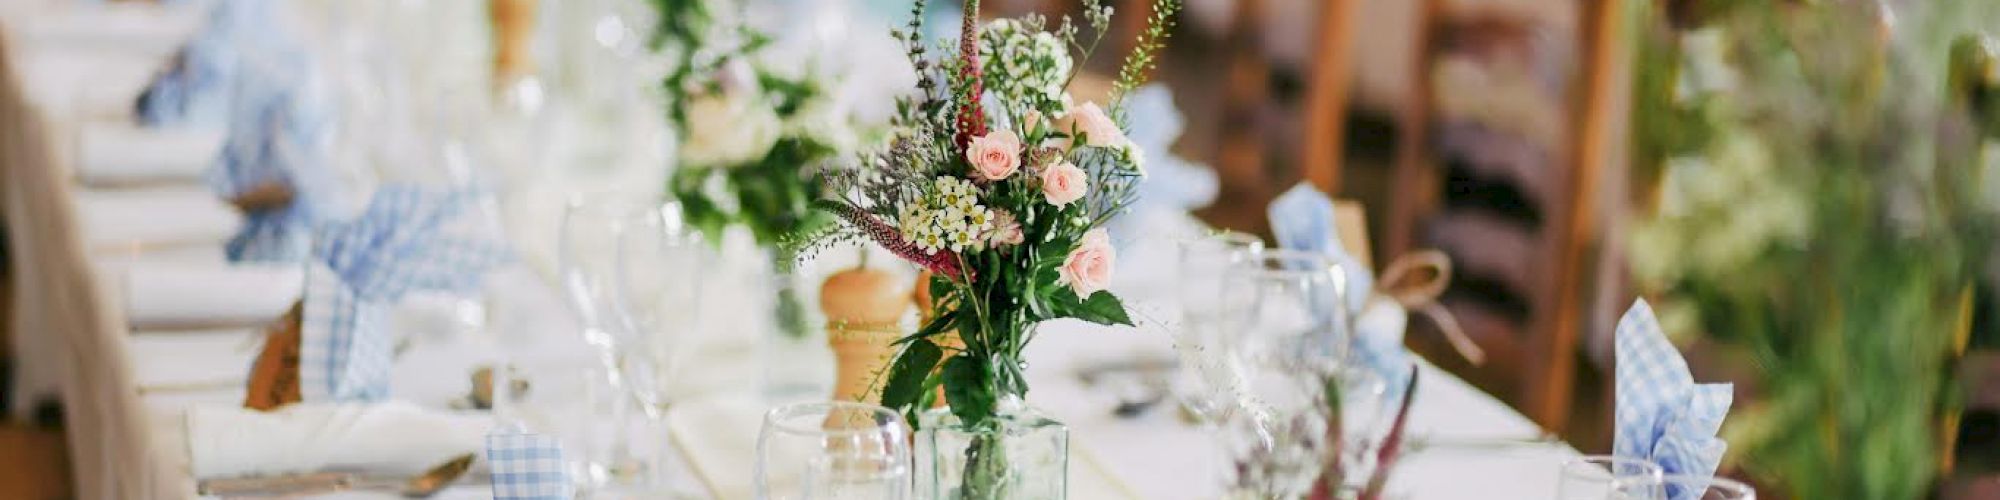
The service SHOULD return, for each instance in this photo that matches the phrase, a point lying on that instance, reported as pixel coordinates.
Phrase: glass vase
(1016, 456)
(797, 363)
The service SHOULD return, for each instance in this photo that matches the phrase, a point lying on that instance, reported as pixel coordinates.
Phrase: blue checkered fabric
(408, 239)
(527, 467)
(246, 74)
(1662, 415)
(1303, 219)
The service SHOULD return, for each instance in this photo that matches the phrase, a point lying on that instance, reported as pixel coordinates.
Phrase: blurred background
(1803, 188)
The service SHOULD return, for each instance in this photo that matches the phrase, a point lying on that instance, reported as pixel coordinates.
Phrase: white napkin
(194, 360)
(167, 295)
(110, 154)
(123, 220)
(392, 437)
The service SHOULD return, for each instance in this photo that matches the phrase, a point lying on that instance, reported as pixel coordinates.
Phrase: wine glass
(1285, 373)
(1683, 487)
(1204, 263)
(593, 231)
(1600, 477)
(833, 450)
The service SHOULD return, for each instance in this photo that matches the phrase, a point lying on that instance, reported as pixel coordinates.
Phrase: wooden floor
(34, 463)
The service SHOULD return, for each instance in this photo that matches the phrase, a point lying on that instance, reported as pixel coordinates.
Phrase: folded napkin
(246, 74)
(138, 219)
(1303, 219)
(202, 360)
(170, 295)
(120, 154)
(1662, 415)
(527, 467)
(390, 437)
(409, 239)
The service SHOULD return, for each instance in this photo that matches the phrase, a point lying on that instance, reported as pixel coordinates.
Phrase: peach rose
(994, 156)
(1063, 183)
(1097, 127)
(1088, 267)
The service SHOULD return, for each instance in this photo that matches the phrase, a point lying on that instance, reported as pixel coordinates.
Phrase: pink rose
(994, 156)
(1006, 231)
(1088, 267)
(1063, 183)
(1097, 127)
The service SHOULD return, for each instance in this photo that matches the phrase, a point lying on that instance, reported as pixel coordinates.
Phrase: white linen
(112, 154)
(389, 437)
(194, 360)
(118, 221)
(167, 295)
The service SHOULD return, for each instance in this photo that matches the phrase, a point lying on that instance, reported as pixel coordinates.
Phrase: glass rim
(1228, 237)
(1612, 462)
(1732, 486)
(779, 419)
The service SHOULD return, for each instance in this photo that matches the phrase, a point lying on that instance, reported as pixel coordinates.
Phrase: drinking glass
(1204, 263)
(1600, 477)
(593, 231)
(570, 396)
(657, 299)
(833, 450)
(1681, 487)
(1285, 373)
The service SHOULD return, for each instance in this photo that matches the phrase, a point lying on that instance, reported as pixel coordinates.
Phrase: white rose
(728, 130)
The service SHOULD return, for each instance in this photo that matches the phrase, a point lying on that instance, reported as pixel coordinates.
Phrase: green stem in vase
(986, 467)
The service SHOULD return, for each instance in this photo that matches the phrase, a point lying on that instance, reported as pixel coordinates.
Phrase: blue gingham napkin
(526, 467)
(408, 239)
(1662, 415)
(1303, 219)
(245, 74)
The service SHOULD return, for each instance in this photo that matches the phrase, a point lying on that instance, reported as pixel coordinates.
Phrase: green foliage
(1817, 211)
(1142, 59)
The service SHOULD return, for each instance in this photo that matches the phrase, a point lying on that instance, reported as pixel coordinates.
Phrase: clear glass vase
(1017, 456)
(797, 363)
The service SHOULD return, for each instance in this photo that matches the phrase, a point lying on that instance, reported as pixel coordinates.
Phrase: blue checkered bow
(244, 74)
(526, 467)
(408, 239)
(1662, 415)
(1303, 219)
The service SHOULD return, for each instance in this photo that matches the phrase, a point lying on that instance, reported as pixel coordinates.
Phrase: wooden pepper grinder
(513, 25)
(864, 310)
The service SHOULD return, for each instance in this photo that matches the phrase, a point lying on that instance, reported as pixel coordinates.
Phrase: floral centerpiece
(1823, 210)
(750, 138)
(999, 185)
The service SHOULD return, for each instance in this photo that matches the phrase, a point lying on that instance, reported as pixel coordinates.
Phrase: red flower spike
(943, 262)
(971, 116)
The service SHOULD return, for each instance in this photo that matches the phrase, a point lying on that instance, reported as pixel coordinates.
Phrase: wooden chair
(1248, 146)
(1519, 222)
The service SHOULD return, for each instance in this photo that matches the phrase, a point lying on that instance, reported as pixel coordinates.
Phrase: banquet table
(74, 246)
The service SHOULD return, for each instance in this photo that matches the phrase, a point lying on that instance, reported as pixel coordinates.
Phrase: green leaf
(966, 386)
(1102, 308)
(936, 325)
(906, 376)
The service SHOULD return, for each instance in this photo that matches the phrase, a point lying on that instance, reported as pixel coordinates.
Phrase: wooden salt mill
(864, 311)
(513, 25)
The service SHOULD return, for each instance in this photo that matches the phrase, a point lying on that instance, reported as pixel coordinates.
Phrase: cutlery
(422, 485)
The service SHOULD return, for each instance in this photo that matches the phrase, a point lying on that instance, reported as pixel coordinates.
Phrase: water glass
(833, 450)
(593, 231)
(1600, 477)
(1682, 487)
(1203, 264)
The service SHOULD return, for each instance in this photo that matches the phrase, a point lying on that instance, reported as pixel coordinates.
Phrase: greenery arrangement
(1823, 205)
(751, 138)
(1000, 186)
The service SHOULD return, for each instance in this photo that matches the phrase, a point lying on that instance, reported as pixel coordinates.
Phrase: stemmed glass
(1601, 477)
(1684, 487)
(631, 270)
(833, 450)
(1204, 263)
(1284, 372)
